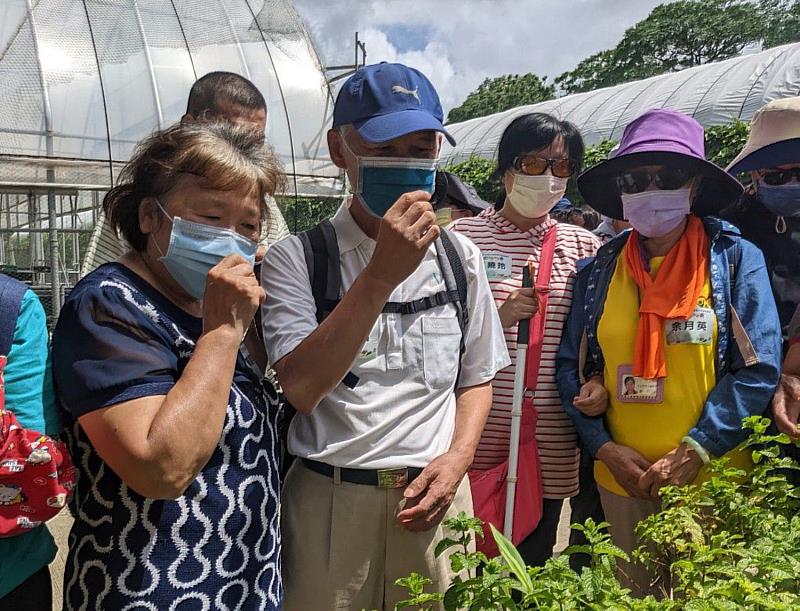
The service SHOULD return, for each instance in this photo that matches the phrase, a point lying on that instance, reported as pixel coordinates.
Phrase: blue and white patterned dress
(217, 546)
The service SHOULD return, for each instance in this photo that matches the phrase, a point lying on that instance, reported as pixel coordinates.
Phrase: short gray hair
(227, 156)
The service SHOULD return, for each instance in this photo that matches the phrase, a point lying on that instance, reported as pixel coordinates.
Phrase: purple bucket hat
(659, 137)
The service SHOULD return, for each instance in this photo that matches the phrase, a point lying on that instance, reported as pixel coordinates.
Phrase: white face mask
(535, 196)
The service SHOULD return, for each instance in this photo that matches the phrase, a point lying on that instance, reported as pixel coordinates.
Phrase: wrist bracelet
(701, 451)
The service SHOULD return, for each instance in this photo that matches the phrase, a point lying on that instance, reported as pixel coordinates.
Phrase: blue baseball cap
(563, 205)
(386, 101)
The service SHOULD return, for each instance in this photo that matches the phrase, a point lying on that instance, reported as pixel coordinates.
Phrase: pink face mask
(655, 213)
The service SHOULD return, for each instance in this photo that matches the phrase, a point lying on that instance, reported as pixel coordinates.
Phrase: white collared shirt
(402, 412)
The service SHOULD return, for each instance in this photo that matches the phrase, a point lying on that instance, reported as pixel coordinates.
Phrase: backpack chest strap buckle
(420, 305)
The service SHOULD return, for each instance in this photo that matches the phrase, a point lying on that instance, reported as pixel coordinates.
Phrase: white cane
(523, 331)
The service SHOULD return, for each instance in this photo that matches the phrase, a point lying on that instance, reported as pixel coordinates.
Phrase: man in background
(216, 96)
(225, 96)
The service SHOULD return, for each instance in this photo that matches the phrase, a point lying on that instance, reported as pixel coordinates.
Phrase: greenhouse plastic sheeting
(713, 94)
(84, 80)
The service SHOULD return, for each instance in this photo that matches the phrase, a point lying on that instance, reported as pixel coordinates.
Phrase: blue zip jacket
(748, 363)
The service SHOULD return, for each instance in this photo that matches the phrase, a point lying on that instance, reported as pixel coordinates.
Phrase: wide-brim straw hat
(774, 137)
(660, 137)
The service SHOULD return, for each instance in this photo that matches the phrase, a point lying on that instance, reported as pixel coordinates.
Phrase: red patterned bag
(36, 474)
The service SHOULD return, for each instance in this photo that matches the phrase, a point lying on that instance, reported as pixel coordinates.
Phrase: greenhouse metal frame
(85, 80)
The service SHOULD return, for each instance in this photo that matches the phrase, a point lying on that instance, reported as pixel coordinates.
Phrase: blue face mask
(382, 180)
(195, 248)
(781, 200)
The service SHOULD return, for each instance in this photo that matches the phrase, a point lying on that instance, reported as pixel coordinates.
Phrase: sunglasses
(780, 177)
(666, 179)
(536, 166)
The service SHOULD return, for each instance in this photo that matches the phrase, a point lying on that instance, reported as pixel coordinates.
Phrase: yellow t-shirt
(652, 417)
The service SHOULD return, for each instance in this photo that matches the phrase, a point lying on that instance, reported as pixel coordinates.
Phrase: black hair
(533, 132)
(215, 87)
(591, 218)
(629, 379)
(563, 216)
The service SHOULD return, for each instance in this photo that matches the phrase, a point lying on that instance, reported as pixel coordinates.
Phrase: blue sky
(457, 44)
(406, 38)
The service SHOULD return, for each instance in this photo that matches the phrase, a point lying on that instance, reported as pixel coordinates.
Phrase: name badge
(370, 348)
(633, 389)
(698, 329)
(497, 265)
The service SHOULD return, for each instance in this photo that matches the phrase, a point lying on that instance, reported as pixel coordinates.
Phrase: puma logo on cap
(412, 92)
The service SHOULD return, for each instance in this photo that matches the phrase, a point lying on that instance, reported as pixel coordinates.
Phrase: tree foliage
(479, 173)
(673, 37)
(724, 142)
(598, 152)
(502, 93)
(782, 19)
(303, 213)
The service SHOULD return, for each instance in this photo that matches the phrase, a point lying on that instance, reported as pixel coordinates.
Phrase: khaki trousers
(343, 550)
(623, 513)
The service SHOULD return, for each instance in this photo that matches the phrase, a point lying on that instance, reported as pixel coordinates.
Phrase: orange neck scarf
(672, 294)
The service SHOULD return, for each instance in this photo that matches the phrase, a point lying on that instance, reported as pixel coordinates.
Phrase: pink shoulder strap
(542, 286)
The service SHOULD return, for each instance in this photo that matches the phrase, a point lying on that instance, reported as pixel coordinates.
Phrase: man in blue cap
(386, 356)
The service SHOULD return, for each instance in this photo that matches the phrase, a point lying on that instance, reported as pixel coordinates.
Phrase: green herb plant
(729, 543)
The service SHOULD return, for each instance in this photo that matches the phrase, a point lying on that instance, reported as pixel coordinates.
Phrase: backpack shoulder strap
(456, 265)
(321, 252)
(11, 293)
(452, 265)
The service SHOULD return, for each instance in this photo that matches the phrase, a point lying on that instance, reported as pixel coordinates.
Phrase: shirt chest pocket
(441, 341)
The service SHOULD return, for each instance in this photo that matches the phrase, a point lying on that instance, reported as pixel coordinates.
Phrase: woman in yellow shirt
(681, 330)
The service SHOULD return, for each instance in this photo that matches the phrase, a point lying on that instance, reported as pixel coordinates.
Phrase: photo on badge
(633, 389)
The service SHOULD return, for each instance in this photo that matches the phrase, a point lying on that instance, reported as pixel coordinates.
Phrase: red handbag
(489, 485)
(36, 474)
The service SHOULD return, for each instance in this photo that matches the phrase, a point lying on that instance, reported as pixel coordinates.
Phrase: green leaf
(444, 545)
(513, 559)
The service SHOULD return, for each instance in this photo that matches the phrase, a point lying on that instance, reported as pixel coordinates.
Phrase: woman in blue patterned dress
(171, 424)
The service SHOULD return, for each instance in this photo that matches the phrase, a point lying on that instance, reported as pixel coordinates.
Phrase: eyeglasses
(780, 177)
(535, 166)
(666, 179)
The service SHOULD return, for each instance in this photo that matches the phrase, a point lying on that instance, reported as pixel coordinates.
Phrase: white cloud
(469, 40)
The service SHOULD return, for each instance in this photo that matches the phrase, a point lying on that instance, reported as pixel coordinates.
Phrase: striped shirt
(506, 249)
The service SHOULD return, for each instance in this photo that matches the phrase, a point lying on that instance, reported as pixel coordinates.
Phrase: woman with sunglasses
(769, 216)
(536, 156)
(681, 306)
(769, 213)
